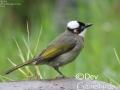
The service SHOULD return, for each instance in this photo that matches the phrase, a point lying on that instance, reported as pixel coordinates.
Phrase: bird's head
(77, 27)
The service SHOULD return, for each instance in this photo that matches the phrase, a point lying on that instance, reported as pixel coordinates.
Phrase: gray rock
(58, 84)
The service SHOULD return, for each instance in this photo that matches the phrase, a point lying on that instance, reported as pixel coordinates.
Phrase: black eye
(82, 27)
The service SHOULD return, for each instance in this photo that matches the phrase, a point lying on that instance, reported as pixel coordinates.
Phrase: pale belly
(65, 58)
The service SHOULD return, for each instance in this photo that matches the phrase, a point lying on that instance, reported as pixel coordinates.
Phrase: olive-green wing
(56, 49)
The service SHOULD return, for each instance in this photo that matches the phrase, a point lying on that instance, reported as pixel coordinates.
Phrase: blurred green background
(97, 57)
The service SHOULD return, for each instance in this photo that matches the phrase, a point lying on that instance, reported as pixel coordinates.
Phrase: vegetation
(97, 57)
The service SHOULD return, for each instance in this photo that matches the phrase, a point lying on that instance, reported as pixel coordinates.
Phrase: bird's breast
(69, 56)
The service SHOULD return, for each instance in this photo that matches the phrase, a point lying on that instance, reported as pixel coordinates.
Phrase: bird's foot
(61, 77)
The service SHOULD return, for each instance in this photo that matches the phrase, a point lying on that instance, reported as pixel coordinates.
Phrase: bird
(62, 50)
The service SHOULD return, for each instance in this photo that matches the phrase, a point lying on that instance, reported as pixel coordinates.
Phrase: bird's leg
(56, 68)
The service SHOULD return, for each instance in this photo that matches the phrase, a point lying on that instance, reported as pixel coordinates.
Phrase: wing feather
(56, 48)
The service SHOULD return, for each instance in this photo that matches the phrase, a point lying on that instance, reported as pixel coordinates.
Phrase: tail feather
(20, 65)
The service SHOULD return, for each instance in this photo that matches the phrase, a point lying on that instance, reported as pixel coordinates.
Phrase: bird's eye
(82, 28)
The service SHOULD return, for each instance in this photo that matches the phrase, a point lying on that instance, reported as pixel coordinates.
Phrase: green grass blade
(19, 68)
(2, 79)
(20, 52)
(27, 68)
(112, 80)
(28, 45)
(38, 40)
(29, 51)
(38, 72)
(36, 68)
(28, 34)
(6, 78)
(116, 55)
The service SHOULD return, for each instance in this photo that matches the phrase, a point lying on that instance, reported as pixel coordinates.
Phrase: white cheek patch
(83, 33)
(75, 31)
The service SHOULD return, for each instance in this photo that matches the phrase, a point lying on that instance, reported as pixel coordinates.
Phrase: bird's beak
(88, 25)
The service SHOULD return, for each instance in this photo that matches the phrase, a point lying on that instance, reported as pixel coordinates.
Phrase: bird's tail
(20, 65)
